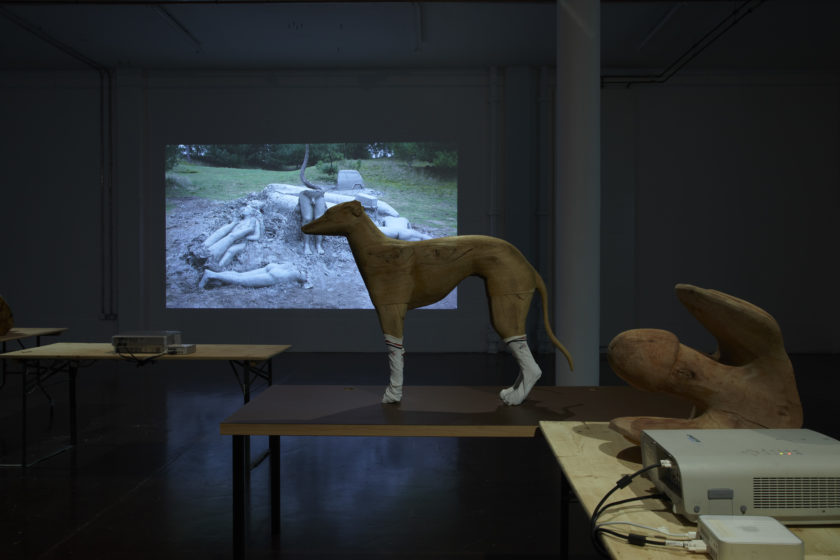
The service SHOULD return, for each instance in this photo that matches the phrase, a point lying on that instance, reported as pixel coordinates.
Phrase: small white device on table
(747, 536)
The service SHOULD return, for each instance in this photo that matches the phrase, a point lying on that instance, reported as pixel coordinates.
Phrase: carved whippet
(403, 275)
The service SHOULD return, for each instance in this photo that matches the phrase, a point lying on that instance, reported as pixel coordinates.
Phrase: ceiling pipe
(727, 23)
(419, 27)
(659, 25)
(106, 163)
(176, 23)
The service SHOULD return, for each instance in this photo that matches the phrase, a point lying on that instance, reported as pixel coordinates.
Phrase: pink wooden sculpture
(748, 383)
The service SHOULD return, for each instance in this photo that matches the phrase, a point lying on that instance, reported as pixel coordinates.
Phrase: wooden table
(19, 334)
(425, 411)
(248, 361)
(593, 457)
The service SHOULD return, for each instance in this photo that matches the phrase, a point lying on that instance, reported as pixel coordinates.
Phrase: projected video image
(234, 213)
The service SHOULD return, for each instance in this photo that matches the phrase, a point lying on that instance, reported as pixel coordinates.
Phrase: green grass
(423, 198)
(413, 192)
(224, 183)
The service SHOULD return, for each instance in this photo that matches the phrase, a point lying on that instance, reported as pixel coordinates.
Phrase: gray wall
(52, 169)
(730, 183)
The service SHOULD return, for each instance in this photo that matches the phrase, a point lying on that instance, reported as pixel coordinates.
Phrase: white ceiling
(644, 37)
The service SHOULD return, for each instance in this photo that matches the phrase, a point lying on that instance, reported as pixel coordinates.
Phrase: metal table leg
(240, 497)
(23, 392)
(39, 373)
(248, 372)
(73, 368)
(274, 466)
(565, 502)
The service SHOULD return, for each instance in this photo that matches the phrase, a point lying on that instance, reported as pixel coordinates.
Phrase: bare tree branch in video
(748, 383)
(402, 275)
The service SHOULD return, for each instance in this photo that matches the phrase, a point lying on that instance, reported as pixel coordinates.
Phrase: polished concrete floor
(151, 476)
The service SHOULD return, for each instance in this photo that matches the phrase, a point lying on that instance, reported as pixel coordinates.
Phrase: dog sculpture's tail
(557, 343)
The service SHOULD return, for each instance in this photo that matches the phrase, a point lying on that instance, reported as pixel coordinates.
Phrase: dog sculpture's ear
(356, 208)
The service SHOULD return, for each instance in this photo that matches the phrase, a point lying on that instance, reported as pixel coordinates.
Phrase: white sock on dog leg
(529, 371)
(393, 393)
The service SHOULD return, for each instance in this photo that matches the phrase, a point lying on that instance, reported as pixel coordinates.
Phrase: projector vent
(796, 492)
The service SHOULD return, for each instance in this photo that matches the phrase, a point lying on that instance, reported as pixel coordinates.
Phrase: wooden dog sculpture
(403, 275)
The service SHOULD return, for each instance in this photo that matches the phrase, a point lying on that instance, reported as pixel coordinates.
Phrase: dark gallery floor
(151, 476)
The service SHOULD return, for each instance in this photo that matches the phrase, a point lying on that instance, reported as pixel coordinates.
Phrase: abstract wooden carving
(748, 383)
(7, 320)
(402, 275)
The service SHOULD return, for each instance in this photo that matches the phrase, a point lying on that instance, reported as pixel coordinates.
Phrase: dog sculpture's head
(338, 220)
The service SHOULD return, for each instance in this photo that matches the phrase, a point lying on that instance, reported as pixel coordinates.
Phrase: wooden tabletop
(443, 411)
(105, 351)
(593, 457)
(18, 333)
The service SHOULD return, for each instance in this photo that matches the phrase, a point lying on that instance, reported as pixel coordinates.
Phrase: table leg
(3, 367)
(72, 369)
(23, 418)
(274, 466)
(240, 497)
(565, 502)
(247, 372)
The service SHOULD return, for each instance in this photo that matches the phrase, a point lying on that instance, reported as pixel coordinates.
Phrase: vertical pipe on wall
(577, 201)
(107, 244)
(495, 170)
(108, 238)
(521, 154)
(545, 180)
(494, 160)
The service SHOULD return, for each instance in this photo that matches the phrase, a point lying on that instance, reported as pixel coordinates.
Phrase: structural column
(577, 200)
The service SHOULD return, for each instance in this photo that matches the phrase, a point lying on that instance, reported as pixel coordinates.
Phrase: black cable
(623, 482)
(633, 538)
(660, 495)
(596, 530)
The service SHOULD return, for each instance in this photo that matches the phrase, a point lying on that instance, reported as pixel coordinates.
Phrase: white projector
(146, 342)
(792, 475)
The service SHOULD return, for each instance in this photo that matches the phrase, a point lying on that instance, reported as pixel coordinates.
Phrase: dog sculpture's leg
(391, 319)
(529, 371)
(393, 393)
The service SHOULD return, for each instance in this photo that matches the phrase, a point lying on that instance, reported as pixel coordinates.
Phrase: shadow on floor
(151, 476)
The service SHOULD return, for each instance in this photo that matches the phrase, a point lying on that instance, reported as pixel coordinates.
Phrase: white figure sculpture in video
(268, 275)
(231, 239)
(399, 228)
(312, 206)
